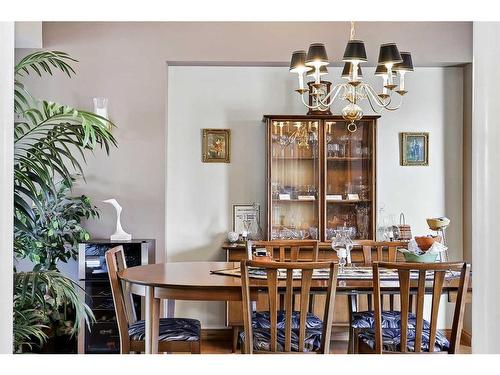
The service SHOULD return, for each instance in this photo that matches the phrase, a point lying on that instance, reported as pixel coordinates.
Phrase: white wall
(200, 196)
(485, 188)
(6, 182)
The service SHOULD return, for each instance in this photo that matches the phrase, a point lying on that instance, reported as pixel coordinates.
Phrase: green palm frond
(49, 138)
(45, 61)
(38, 293)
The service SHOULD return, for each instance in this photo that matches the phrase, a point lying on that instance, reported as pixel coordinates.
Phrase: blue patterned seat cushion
(390, 319)
(261, 319)
(262, 339)
(171, 329)
(261, 324)
(391, 340)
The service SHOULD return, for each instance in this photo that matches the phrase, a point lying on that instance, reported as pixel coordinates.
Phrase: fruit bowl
(422, 258)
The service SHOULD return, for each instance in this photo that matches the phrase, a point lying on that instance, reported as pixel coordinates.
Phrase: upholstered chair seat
(390, 319)
(262, 339)
(260, 319)
(262, 334)
(391, 339)
(171, 329)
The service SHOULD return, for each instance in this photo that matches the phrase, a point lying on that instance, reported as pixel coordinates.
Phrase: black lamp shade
(298, 62)
(406, 65)
(382, 70)
(316, 55)
(346, 72)
(389, 54)
(355, 51)
(322, 71)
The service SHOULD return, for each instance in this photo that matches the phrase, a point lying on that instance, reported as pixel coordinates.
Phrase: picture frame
(414, 149)
(240, 211)
(216, 145)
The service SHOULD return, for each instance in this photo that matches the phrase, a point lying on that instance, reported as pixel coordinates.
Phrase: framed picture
(216, 144)
(414, 149)
(242, 213)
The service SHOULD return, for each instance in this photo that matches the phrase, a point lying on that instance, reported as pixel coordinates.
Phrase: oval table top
(197, 275)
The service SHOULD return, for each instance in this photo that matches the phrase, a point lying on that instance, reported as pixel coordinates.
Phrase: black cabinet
(103, 335)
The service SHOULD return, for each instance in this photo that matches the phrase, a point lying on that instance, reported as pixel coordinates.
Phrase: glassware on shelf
(362, 221)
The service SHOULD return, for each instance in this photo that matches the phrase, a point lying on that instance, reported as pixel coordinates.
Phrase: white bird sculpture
(119, 234)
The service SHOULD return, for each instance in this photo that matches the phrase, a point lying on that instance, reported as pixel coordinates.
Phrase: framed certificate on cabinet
(244, 215)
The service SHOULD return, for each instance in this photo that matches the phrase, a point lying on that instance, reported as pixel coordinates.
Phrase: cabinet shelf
(294, 158)
(346, 201)
(348, 158)
(294, 200)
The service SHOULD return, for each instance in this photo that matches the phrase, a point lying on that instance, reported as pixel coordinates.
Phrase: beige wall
(127, 62)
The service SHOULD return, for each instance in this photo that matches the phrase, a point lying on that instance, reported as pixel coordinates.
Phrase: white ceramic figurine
(119, 234)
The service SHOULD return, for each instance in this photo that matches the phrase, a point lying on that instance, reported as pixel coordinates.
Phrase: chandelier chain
(353, 31)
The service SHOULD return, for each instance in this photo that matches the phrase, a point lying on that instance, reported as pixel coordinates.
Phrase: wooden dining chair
(414, 334)
(287, 330)
(175, 334)
(290, 250)
(372, 251)
(283, 251)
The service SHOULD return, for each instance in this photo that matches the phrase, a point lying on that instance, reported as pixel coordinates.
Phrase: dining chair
(290, 250)
(282, 251)
(175, 334)
(372, 251)
(287, 330)
(411, 333)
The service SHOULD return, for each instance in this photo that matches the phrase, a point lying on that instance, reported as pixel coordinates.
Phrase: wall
(467, 180)
(6, 182)
(485, 188)
(200, 196)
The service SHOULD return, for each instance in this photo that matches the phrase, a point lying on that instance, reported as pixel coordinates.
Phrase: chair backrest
(436, 285)
(301, 286)
(122, 298)
(392, 250)
(279, 249)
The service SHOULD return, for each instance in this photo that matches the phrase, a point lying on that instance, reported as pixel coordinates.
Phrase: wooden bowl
(425, 242)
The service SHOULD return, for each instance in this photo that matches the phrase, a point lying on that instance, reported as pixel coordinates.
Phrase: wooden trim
(465, 339)
(217, 334)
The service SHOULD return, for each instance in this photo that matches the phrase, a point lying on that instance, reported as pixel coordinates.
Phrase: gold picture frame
(414, 149)
(216, 146)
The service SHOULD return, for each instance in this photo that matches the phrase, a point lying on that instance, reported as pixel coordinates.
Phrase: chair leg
(350, 347)
(236, 332)
(196, 347)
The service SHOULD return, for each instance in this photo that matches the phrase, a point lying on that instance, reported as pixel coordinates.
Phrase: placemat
(350, 273)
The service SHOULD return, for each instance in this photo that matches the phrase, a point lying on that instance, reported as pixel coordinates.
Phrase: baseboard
(217, 334)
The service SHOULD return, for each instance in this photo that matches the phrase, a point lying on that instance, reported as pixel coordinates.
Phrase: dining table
(196, 281)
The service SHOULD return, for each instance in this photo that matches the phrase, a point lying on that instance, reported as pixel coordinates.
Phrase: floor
(338, 345)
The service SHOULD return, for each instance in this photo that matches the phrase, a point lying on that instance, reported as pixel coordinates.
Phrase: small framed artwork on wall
(414, 149)
(216, 145)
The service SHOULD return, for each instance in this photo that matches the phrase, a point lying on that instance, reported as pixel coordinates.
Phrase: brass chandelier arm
(379, 101)
(337, 87)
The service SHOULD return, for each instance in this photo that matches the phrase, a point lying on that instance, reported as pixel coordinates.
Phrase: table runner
(350, 273)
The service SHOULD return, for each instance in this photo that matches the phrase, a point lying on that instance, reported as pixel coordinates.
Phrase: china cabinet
(320, 176)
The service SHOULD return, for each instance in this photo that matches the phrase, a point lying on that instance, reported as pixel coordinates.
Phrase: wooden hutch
(320, 176)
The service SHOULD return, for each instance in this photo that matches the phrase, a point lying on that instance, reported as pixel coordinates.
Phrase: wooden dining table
(194, 281)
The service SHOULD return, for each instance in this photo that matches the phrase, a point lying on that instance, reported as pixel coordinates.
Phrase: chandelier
(392, 67)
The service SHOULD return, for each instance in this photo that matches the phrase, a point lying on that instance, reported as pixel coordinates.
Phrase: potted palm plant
(50, 142)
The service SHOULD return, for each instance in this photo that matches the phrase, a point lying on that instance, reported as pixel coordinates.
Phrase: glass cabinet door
(294, 179)
(349, 185)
